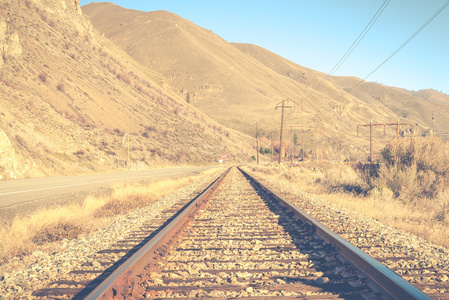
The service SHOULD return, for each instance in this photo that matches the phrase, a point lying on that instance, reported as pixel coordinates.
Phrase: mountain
(432, 96)
(220, 79)
(406, 105)
(71, 101)
(239, 84)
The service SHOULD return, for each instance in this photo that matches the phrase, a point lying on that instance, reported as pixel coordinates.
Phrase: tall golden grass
(409, 190)
(68, 222)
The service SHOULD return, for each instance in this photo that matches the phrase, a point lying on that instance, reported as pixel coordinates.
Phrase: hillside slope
(233, 85)
(239, 84)
(223, 82)
(406, 105)
(71, 101)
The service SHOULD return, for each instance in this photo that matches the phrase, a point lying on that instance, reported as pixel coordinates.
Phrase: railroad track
(240, 243)
(78, 282)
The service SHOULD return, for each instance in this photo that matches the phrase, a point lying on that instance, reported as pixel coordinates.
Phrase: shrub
(442, 207)
(413, 169)
(138, 88)
(120, 133)
(21, 141)
(79, 153)
(7, 83)
(42, 76)
(181, 154)
(31, 103)
(124, 78)
(160, 101)
(60, 86)
(59, 231)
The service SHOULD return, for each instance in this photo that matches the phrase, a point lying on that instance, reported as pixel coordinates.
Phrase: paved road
(17, 192)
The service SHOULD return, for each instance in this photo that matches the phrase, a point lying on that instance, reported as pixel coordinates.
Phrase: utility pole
(128, 154)
(303, 144)
(371, 151)
(324, 142)
(257, 141)
(291, 152)
(257, 138)
(282, 134)
(303, 155)
(371, 125)
(126, 135)
(317, 145)
(282, 129)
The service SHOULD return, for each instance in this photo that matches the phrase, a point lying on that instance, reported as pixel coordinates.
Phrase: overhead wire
(403, 45)
(357, 40)
(353, 46)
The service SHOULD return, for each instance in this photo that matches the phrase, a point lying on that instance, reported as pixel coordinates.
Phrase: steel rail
(116, 284)
(389, 281)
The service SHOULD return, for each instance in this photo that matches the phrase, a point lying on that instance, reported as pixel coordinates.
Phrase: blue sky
(316, 34)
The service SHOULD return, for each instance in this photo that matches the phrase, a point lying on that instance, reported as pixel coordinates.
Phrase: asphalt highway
(19, 192)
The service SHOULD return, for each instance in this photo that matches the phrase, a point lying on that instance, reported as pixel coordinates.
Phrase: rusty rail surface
(115, 285)
(388, 280)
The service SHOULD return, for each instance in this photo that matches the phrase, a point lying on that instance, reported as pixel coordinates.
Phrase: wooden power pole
(281, 139)
(371, 125)
(257, 141)
(257, 138)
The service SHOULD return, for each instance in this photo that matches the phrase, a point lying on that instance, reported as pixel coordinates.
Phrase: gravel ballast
(20, 277)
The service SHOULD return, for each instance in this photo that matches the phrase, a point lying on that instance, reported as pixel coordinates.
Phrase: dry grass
(68, 222)
(340, 184)
(25, 233)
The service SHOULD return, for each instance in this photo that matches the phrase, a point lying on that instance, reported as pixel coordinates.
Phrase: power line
(353, 46)
(403, 44)
(359, 38)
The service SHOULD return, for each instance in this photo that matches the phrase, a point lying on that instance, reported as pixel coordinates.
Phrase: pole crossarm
(323, 129)
(282, 104)
(385, 124)
(371, 125)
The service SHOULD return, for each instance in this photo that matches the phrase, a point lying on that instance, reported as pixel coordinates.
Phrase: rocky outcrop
(8, 163)
(9, 42)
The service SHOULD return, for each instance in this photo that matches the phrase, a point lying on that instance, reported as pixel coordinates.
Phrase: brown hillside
(234, 87)
(405, 104)
(70, 100)
(432, 96)
(238, 84)
(217, 76)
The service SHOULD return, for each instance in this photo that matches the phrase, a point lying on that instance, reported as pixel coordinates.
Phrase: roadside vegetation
(25, 234)
(408, 190)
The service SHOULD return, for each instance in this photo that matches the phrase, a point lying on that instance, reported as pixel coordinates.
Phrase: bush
(413, 169)
(341, 178)
(59, 231)
(7, 83)
(61, 86)
(42, 76)
(124, 78)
